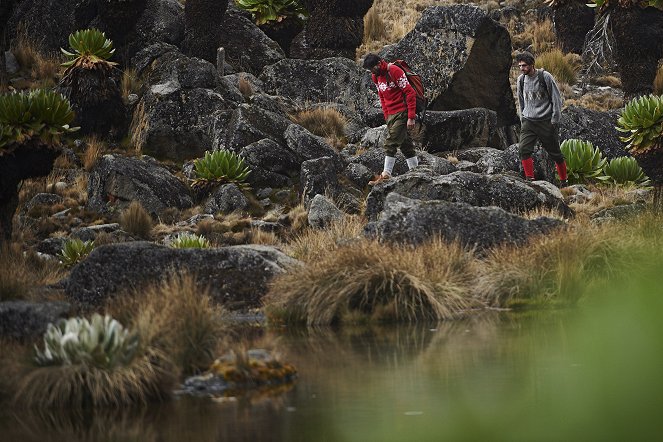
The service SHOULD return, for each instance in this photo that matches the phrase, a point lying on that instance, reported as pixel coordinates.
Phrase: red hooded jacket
(391, 93)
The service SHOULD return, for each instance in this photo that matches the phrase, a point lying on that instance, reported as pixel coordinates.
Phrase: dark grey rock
(319, 176)
(464, 58)
(621, 212)
(226, 199)
(269, 155)
(117, 181)
(358, 174)
(594, 126)
(544, 167)
(306, 145)
(509, 193)
(322, 212)
(11, 64)
(42, 199)
(249, 124)
(51, 246)
(461, 129)
(90, 233)
(23, 320)
(412, 221)
(237, 276)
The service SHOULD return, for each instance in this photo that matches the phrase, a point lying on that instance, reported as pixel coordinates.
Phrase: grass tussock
(598, 101)
(136, 221)
(130, 83)
(43, 69)
(658, 81)
(608, 80)
(562, 66)
(543, 36)
(313, 244)
(324, 122)
(244, 86)
(94, 150)
(179, 317)
(21, 272)
(376, 282)
(374, 26)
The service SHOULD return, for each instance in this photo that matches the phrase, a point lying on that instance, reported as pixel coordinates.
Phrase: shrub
(20, 272)
(374, 27)
(559, 65)
(136, 220)
(324, 122)
(42, 116)
(273, 10)
(220, 166)
(642, 119)
(625, 170)
(190, 241)
(584, 161)
(74, 251)
(91, 49)
(101, 342)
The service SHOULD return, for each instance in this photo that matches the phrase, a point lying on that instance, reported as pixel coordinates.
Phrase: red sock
(528, 167)
(561, 170)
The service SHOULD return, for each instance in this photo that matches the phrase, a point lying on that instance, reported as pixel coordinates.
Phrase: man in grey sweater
(541, 110)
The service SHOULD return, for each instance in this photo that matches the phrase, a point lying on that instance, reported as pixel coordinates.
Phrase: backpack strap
(542, 82)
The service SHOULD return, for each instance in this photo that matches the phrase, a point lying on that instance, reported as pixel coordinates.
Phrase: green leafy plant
(91, 49)
(74, 251)
(190, 241)
(38, 115)
(273, 10)
(584, 161)
(626, 3)
(625, 170)
(220, 166)
(101, 342)
(642, 119)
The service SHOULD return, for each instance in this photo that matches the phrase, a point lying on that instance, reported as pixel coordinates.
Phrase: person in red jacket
(399, 102)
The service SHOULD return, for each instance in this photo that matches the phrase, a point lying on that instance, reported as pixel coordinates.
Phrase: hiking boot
(563, 184)
(377, 179)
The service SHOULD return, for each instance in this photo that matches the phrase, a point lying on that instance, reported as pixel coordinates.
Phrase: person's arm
(519, 93)
(398, 76)
(555, 97)
(384, 111)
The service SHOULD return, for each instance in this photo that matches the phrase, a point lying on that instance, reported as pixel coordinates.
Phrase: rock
(202, 29)
(51, 246)
(322, 212)
(237, 276)
(594, 126)
(464, 58)
(319, 176)
(358, 174)
(412, 221)
(453, 130)
(11, 64)
(580, 194)
(226, 199)
(117, 181)
(26, 321)
(621, 212)
(90, 233)
(247, 48)
(509, 193)
(249, 124)
(40, 200)
(306, 145)
(271, 164)
(544, 167)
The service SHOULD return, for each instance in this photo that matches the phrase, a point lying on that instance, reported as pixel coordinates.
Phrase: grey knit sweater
(536, 104)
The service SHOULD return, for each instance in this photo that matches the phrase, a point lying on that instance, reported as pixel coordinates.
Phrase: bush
(190, 241)
(40, 115)
(74, 251)
(324, 122)
(136, 220)
(625, 170)
(20, 272)
(273, 10)
(101, 342)
(642, 119)
(220, 166)
(584, 162)
(559, 65)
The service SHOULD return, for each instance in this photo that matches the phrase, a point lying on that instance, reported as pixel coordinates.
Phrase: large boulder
(185, 107)
(24, 320)
(460, 129)
(411, 221)
(270, 163)
(573, 20)
(509, 193)
(320, 176)
(247, 48)
(594, 126)
(237, 276)
(202, 27)
(464, 59)
(249, 123)
(306, 145)
(117, 181)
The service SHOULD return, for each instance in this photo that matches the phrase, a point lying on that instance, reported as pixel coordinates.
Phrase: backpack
(542, 82)
(417, 85)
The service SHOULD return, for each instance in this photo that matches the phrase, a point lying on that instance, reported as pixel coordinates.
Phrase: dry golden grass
(93, 152)
(43, 68)
(374, 26)
(658, 81)
(136, 221)
(130, 83)
(369, 281)
(20, 273)
(179, 317)
(543, 36)
(608, 80)
(598, 101)
(259, 236)
(244, 86)
(324, 122)
(312, 244)
(562, 66)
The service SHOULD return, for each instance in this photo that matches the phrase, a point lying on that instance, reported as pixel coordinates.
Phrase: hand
(410, 123)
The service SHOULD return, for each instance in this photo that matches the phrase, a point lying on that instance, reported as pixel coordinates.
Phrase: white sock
(412, 162)
(389, 164)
